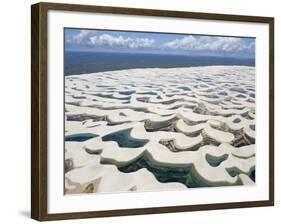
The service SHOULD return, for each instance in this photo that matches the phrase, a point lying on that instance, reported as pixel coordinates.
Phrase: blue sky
(159, 43)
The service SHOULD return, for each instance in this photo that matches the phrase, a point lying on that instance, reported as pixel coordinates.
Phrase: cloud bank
(120, 41)
(91, 38)
(207, 43)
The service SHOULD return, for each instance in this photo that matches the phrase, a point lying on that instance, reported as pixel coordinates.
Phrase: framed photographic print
(139, 111)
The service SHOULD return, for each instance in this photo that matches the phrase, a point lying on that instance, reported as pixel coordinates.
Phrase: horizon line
(157, 53)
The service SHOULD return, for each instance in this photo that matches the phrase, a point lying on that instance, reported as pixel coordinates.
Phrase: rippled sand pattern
(159, 129)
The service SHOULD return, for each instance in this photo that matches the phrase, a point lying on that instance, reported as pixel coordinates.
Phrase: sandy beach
(159, 129)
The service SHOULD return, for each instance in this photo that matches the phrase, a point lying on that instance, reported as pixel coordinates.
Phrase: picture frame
(43, 92)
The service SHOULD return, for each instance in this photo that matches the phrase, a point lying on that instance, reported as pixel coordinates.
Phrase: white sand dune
(159, 129)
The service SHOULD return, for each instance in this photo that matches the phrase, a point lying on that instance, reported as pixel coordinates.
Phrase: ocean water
(89, 62)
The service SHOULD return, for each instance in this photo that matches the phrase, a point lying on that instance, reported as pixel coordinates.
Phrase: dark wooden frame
(39, 110)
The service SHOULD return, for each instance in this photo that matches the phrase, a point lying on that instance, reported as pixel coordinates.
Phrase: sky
(158, 43)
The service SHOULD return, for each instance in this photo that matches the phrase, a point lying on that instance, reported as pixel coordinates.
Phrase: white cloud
(90, 38)
(83, 37)
(120, 41)
(207, 43)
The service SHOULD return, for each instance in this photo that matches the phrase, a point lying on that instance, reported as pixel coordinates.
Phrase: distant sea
(90, 62)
